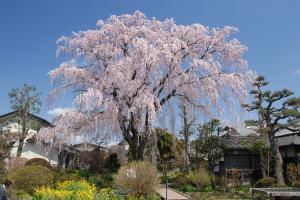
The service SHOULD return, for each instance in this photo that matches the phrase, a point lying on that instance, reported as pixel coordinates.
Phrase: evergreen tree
(209, 143)
(165, 144)
(276, 111)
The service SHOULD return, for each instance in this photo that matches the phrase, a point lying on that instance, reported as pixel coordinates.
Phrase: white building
(31, 149)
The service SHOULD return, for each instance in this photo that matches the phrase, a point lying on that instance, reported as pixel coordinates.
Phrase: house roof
(242, 142)
(13, 114)
(86, 145)
(288, 139)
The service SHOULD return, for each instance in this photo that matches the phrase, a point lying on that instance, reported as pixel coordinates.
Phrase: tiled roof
(242, 142)
(14, 114)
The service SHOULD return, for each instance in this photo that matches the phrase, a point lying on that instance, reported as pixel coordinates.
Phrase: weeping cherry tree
(125, 72)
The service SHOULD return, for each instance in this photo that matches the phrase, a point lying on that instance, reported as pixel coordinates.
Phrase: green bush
(84, 173)
(180, 180)
(60, 176)
(103, 180)
(265, 183)
(188, 188)
(38, 161)
(31, 177)
(170, 177)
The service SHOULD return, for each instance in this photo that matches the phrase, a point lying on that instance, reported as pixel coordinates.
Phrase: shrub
(39, 161)
(60, 176)
(180, 180)
(31, 177)
(296, 184)
(95, 160)
(84, 173)
(293, 172)
(67, 190)
(112, 162)
(18, 195)
(221, 181)
(139, 178)
(201, 178)
(265, 183)
(3, 172)
(188, 188)
(102, 180)
(171, 176)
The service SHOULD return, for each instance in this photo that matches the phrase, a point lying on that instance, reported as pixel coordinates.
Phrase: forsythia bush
(67, 190)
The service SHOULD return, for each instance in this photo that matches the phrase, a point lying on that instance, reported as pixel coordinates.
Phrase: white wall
(31, 150)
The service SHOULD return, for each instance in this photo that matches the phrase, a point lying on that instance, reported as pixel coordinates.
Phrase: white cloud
(58, 111)
(297, 72)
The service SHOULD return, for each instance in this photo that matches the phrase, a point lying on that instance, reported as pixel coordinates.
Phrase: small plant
(265, 183)
(138, 178)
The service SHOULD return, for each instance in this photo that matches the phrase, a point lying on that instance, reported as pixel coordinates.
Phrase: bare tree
(24, 101)
(187, 131)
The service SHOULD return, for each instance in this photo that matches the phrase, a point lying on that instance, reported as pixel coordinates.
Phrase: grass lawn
(228, 195)
(218, 195)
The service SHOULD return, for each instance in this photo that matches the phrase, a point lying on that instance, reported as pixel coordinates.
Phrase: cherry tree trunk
(136, 148)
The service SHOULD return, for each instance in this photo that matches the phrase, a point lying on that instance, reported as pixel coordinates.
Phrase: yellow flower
(67, 190)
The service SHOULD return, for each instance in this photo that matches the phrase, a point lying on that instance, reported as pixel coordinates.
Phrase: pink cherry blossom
(128, 69)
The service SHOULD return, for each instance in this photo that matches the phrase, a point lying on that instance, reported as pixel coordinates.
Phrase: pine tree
(276, 111)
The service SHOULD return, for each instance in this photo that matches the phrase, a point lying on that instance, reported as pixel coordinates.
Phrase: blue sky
(29, 30)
